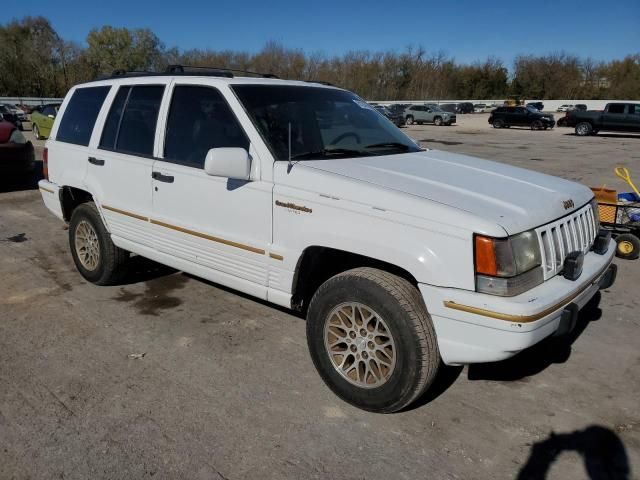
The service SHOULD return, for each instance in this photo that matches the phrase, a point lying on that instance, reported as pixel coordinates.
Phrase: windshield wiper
(328, 152)
(399, 145)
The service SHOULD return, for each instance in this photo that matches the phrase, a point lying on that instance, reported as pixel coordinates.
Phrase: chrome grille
(576, 231)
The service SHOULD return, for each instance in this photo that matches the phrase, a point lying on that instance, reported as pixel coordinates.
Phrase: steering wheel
(339, 138)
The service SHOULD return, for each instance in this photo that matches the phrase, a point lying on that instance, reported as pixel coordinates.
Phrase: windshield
(319, 123)
(532, 109)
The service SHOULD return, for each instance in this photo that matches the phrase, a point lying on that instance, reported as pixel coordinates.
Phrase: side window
(80, 115)
(634, 108)
(200, 119)
(616, 108)
(131, 123)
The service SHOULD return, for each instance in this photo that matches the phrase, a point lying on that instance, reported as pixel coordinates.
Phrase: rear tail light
(45, 163)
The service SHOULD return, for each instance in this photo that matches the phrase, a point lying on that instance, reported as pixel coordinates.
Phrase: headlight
(507, 266)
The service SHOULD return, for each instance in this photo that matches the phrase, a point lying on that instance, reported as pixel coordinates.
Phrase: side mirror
(51, 116)
(228, 162)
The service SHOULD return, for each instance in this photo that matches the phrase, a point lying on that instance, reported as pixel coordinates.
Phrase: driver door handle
(162, 178)
(96, 161)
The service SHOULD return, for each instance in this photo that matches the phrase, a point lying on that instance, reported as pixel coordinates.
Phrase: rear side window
(131, 124)
(80, 115)
(616, 108)
(200, 119)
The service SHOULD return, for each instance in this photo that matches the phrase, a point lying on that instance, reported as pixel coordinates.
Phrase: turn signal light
(486, 263)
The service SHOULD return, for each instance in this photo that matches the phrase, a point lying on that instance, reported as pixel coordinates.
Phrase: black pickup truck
(616, 117)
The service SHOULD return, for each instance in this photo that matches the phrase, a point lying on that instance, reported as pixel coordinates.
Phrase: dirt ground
(226, 388)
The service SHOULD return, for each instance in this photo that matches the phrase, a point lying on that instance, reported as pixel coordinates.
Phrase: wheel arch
(71, 198)
(318, 263)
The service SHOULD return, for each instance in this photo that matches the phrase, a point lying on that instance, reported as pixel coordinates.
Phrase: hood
(514, 198)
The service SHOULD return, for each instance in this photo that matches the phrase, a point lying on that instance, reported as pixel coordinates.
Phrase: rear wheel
(409, 120)
(498, 123)
(96, 257)
(371, 339)
(437, 121)
(583, 129)
(628, 246)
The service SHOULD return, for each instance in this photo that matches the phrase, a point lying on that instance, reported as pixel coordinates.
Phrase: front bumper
(474, 328)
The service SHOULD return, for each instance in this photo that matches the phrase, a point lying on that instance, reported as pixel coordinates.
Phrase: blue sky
(466, 30)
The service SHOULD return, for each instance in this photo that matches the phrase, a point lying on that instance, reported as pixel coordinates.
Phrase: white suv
(302, 194)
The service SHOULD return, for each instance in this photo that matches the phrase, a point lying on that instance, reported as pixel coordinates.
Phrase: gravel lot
(226, 389)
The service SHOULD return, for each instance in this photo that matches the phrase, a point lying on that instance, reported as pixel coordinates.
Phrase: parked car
(565, 108)
(42, 120)
(530, 117)
(616, 117)
(480, 107)
(17, 156)
(537, 105)
(397, 118)
(447, 107)
(428, 114)
(464, 107)
(12, 116)
(402, 259)
(398, 107)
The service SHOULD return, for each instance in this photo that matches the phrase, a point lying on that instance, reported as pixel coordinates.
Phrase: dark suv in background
(505, 117)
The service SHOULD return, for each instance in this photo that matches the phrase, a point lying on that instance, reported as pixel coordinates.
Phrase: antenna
(290, 165)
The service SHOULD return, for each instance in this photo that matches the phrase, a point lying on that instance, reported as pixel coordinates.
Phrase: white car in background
(301, 194)
(565, 108)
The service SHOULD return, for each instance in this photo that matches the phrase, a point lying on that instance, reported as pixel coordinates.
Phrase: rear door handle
(96, 161)
(162, 178)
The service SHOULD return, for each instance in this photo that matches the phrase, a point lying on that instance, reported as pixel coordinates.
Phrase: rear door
(218, 223)
(120, 165)
(614, 119)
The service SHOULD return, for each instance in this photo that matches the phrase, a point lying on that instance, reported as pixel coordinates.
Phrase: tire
(411, 347)
(583, 129)
(36, 131)
(498, 123)
(409, 120)
(437, 121)
(536, 125)
(104, 264)
(627, 246)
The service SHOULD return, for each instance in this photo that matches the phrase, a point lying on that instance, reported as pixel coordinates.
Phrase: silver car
(428, 114)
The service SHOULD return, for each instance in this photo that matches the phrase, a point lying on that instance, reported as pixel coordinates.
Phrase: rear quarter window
(80, 115)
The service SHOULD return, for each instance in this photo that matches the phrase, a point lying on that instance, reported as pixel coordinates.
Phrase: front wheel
(371, 339)
(536, 125)
(36, 131)
(409, 120)
(583, 129)
(96, 257)
(437, 121)
(627, 246)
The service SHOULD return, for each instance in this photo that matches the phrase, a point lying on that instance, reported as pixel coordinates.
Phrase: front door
(221, 224)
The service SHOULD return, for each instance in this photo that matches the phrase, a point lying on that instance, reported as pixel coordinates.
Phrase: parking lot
(226, 389)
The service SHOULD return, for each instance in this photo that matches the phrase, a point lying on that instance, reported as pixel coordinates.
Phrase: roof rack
(184, 68)
(321, 82)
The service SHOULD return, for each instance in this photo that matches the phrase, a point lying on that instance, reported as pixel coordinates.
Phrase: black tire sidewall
(89, 213)
(437, 121)
(498, 123)
(359, 289)
(635, 241)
